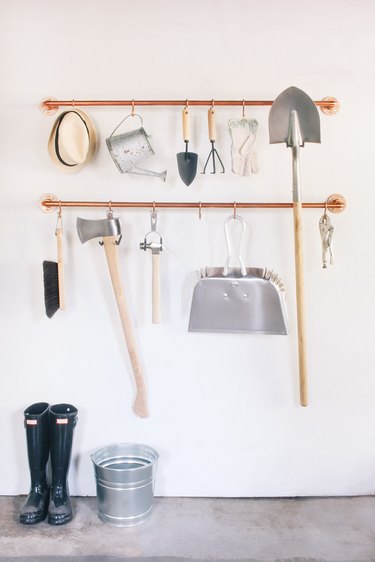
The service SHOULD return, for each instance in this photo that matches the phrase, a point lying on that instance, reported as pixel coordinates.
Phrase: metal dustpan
(238, 300)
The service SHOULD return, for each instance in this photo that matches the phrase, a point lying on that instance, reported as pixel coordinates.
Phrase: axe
(110, 229)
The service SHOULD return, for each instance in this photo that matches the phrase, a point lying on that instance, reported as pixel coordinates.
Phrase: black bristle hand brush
(53, 277)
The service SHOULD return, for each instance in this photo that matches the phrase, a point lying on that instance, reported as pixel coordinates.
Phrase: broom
(53, 277)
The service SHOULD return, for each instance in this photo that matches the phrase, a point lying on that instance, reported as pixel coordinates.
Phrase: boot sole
(59, 521)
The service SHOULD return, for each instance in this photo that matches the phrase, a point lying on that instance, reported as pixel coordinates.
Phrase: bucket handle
(229, 246)
(125, 118)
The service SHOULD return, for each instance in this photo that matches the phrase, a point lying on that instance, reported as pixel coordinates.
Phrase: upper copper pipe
(336, 204)
(49, 104)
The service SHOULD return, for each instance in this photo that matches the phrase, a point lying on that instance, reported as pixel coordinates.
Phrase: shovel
(294, 119)
(187, 161)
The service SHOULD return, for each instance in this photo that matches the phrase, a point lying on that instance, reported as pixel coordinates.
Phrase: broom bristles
(51, 287)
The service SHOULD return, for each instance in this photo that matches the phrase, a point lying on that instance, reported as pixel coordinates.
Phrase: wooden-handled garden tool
(156, 246)
(53, 276)
(187, 161)
(212, 136)
(294, 119)
(110, 230)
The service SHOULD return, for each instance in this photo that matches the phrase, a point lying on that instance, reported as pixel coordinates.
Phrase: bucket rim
(148, 447)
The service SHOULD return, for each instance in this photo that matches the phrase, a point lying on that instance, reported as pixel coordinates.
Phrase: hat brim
(92, 137)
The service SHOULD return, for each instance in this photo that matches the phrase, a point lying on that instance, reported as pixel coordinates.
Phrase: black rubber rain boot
(37, 436)
(63, 418)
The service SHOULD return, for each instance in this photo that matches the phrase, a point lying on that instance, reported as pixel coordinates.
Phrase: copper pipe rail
(335, 203)
(50, 105)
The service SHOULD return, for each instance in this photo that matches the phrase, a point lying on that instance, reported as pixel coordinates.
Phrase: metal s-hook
(234, 210)
(243, 109)
(133, 110)
(200, 210)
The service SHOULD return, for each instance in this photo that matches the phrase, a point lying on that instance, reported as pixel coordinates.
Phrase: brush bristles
(51, 287)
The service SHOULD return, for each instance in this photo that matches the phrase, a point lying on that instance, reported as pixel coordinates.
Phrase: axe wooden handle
(140, 404)
(300, 294)
(156, 288)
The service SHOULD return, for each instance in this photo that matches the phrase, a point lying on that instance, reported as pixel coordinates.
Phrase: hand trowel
(187, 161)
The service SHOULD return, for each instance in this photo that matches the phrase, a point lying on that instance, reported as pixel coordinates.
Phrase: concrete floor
(324, 529)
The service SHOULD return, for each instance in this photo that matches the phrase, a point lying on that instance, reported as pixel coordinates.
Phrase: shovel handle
(211, 124)
(298, 250)
(156, 288)
(140, 403)
(60, 269)
(186, 124)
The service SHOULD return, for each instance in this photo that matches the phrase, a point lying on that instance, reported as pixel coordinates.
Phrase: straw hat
(72, 142)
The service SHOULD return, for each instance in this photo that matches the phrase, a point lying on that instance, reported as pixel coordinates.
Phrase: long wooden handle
(156, 288)
(140, 403)
(211, 124)
(60, 269)
(186, 124)
(298, 250)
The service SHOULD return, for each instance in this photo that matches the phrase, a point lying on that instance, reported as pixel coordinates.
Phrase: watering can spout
(143, 172)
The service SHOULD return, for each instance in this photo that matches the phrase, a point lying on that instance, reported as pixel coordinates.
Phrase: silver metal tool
(326, 232)
(294, 120)
(156, 246)
(238, 299)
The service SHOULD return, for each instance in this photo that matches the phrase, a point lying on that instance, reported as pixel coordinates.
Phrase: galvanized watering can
(131, 148)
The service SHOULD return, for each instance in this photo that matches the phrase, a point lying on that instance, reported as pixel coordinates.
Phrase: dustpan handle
(229, 246)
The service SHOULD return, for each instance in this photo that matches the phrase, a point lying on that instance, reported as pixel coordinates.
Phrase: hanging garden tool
(187, 161)
(326, 232)
(243, 150)
(212, 136)
(132, 148)
(110, 230)
(294, 119)
(156, 246)
(238, 299)
(53, 276)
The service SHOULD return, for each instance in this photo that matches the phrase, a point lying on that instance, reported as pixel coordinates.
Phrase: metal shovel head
(187, 166)
(279, 121)
(253, 304)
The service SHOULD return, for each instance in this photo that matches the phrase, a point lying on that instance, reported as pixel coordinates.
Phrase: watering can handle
(229, 246)
(125, 118)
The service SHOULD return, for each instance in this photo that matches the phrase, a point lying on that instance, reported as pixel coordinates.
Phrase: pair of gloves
(243, 150)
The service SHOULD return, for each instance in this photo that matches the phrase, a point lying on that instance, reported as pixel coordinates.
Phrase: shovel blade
(187, 166)
(280, 117)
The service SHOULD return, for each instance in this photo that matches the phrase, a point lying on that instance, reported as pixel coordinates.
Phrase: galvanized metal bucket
(125, 480)
(129, 149)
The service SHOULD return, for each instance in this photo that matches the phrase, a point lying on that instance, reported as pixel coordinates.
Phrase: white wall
(224, 408)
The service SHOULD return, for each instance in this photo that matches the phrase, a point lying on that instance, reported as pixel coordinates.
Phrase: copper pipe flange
(336, 203)
(48, 197)
(332, 107)
(46, 108)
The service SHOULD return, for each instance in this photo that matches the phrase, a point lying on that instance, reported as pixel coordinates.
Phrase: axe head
(88, 229)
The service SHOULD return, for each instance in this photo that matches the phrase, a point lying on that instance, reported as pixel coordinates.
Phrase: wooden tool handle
(140, 404)
(186, 124)
(156, 288)
(211, 124)
(298, 249)
(60, 269)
